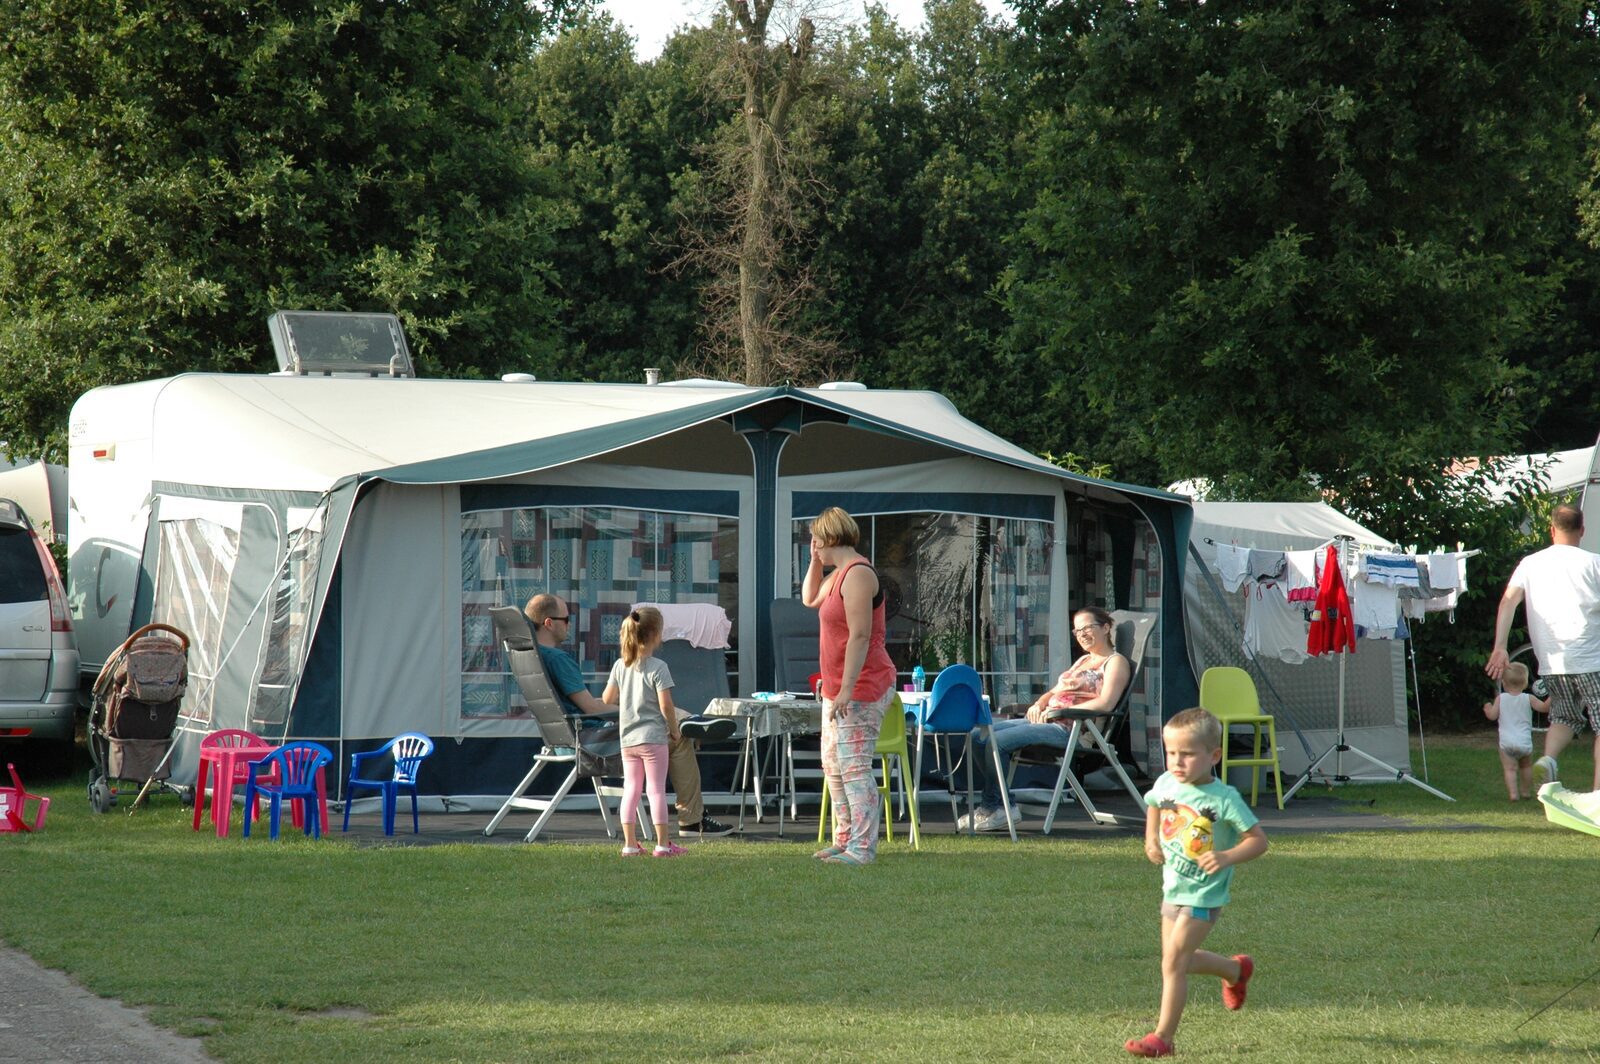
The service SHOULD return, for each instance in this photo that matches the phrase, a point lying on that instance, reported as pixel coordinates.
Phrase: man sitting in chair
(551, 618)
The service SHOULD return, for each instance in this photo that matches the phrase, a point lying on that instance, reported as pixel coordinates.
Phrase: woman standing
(857, 681)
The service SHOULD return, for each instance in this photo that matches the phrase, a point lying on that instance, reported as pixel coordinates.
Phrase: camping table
(223, 762)
(775, 718)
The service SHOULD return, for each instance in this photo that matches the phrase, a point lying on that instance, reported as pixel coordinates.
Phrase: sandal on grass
(1151, 1045)
(827, 852)
(845, 858)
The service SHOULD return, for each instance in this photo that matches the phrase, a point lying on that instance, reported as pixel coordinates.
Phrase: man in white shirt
(1560, 588)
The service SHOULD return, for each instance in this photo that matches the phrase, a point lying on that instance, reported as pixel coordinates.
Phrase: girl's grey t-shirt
(640, 720)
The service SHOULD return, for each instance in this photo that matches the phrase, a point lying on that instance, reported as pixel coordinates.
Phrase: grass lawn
(1429, 944)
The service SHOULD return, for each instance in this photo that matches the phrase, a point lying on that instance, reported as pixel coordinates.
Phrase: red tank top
(877, 672)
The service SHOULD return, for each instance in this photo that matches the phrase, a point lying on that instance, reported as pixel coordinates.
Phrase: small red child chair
(13, 804)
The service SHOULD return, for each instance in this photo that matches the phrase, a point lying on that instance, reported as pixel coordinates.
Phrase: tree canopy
(171, 173)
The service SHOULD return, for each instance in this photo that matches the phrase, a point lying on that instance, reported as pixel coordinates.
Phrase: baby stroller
(134, 712)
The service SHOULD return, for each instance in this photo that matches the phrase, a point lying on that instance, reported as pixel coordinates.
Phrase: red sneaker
(1233, 993)
(1151, 1045)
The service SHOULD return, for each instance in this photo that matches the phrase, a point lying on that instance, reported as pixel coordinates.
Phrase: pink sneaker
(631, 851)
(669, 849)
(1233, 993)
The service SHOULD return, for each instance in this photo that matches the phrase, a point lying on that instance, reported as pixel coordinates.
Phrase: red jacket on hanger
(1333, 629)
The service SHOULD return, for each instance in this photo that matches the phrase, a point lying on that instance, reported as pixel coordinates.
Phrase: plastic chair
(1230, 694)
(407, 751)
(955, 706)
(297, 765)
(224, 739)
(13, 804)
(891, 743)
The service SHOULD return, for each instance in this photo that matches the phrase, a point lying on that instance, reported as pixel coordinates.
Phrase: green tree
(172, 172)
(619, 133)
(1291, 244)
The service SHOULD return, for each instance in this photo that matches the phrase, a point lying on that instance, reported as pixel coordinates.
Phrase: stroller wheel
(100, 796)
(185, 797)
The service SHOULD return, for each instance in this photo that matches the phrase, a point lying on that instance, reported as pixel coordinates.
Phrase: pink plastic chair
(13, 805)
(222, 790)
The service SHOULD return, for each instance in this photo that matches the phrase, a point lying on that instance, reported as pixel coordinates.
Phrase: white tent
(1306, 694)
(333, 544)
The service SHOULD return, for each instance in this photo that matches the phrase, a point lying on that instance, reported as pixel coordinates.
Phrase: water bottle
(919, 678)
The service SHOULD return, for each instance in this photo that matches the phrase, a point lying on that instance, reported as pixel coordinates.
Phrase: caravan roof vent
(842, 386)
(338, 342)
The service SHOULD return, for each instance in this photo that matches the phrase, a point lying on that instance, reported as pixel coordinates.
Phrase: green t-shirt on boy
(1194, 819)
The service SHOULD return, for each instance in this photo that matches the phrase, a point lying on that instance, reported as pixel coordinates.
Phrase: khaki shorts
(1170, 911)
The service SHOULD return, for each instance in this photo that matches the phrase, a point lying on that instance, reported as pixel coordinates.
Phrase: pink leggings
(641, 764)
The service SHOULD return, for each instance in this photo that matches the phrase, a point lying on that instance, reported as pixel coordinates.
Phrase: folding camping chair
(555, 729)
(1130, 636)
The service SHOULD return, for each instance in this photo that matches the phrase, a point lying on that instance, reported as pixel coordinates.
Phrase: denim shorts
(1172, 912)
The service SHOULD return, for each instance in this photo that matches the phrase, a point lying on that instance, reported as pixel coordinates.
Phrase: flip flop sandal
(845, 858)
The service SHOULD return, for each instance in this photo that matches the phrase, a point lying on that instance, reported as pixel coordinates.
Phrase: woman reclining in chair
(1095, 681)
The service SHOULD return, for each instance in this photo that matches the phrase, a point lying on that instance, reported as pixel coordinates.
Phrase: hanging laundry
(1301, 575)
(1424, 588)
(1393, 570)
(1265, 564)
(1233, 565)
(1447, 571)
(1272, 627)
(1331, 629)
(1375, 608)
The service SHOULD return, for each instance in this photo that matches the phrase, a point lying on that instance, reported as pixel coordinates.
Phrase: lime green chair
(1230, 695)
(891, 743)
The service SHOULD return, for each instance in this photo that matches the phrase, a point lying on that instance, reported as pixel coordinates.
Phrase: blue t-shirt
(564, 675)
(1194, 819)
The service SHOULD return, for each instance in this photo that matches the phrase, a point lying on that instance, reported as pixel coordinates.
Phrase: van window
(21, 576)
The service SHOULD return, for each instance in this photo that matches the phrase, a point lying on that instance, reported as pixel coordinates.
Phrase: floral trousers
(848, 747)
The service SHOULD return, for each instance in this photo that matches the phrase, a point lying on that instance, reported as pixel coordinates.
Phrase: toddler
(1513, 708)
(641, 687)
(1197, 828)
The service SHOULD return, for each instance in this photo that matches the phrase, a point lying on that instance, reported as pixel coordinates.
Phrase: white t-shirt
(1561, 585)
(1516, 722)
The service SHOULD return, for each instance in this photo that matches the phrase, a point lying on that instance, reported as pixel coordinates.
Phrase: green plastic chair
(1230, 695)
(891, 743)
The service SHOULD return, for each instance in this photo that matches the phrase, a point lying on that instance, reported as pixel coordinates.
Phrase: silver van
(38, 658)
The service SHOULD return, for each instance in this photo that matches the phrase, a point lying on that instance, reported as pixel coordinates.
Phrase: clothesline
(1382, 593)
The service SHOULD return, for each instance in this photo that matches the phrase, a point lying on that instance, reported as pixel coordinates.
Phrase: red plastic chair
(226, 739)
(13, 806)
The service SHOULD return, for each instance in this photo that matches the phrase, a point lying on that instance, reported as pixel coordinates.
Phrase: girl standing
(641, 686)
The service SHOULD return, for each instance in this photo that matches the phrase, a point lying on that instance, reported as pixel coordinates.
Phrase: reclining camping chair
(699, 676)
(795, 631)
(1130, 636)
(557, 731)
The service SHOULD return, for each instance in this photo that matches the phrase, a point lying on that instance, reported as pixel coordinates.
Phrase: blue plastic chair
(297, 765)
(407, 751)
(956, 707)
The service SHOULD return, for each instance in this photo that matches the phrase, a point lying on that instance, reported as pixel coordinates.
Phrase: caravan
(333, 543)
